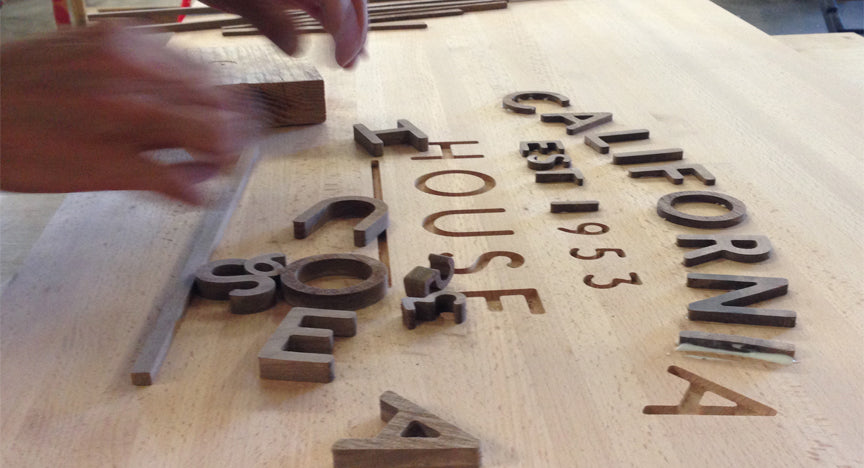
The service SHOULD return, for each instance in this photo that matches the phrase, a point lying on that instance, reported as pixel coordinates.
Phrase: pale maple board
(560, 389)
(834, 53)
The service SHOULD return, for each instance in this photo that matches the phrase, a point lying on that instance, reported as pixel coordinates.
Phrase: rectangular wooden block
(290, 91)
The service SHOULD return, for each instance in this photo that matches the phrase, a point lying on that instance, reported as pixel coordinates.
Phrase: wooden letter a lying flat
(413, 438)
(698, 386)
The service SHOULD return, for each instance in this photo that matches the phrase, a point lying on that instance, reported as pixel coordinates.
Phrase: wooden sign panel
(573, 318)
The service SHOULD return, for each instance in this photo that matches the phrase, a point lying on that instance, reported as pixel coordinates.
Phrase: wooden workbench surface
(559, 389)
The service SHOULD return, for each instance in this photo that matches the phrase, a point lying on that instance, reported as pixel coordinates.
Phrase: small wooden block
(228, 280)
(373, 211)
(290, 92)
(567, 175)
(511, 101)
(548, 163)
(583, 206)
(427, 309)
(648, 156)
(370, 290)
(404, 133)
(666, 209)
(543, 147)
(600, 142)
(735, 343)
(735, 247)
(413, 438)
(578, 122)
(271, 265)
(422, 281)
(675, 173)
(300, 348)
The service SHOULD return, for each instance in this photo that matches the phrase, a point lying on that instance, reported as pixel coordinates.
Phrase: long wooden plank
(380, 15)
(205, 238)
(249, 31)
(105, 13)
(834, 53)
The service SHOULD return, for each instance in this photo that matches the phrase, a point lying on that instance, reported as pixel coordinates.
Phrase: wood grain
(778, 133)
(288, 91)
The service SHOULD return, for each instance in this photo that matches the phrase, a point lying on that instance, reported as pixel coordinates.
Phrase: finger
(272, 18)
(145, 124)
(347, 22)
(181, 180)
(352, 35)
(115, 60)
(100, 167)
(177, 181)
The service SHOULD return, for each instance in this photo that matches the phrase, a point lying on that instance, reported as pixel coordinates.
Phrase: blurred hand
(345, 20)
(79, 108)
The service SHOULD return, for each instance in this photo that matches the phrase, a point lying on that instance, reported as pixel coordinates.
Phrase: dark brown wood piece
(271, 265)
(666, 209)
(735, 247)
(698, 386)
(301, 347)
(735, 343)
(412, 438)
(578, 122)
(404, 133)
(648, 156)
(369, 291)
(252, 31)
(746, 290)
(422, 281)
(511, 101)
(675, 173)
(548, 162)
(428, 308)
(565, 175)
(543, 147)
(373, 211)
(171, 304)
(600, 142)
(228, 280)
(582, 206)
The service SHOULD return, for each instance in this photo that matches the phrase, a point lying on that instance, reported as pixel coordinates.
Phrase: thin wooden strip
(154, 12)
(251, 31)
(404, 14)
(203, 25)
(206, 10)
(113, 9)
(172, 305)
(126, 12)
(191, 26)
(464, 5)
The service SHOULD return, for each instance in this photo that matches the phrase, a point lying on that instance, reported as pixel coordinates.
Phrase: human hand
(345, 20)
(80, 108)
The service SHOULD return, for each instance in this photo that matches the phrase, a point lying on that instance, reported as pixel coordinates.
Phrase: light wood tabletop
(557, 377)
